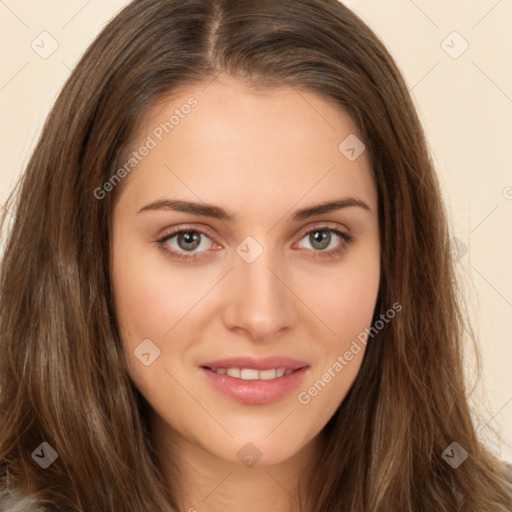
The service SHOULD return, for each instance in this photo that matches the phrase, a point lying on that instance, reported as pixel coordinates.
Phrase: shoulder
(14, 501)
(508, 476)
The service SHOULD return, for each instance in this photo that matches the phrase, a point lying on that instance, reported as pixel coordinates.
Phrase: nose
(260, 301)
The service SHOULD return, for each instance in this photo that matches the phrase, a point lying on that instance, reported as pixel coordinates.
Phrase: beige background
(464, 99)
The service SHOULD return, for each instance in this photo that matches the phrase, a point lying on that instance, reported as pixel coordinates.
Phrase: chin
(259, 451)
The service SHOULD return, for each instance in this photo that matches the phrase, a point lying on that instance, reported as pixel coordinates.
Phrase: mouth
(252, 373)
(254, 381)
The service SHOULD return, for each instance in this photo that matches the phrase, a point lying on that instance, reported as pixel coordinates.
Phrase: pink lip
(255, 392)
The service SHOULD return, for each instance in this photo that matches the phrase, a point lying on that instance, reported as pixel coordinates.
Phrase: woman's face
(228, 271)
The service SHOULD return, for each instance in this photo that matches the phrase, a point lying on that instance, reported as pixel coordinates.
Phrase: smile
(253, 374)
(254, 381)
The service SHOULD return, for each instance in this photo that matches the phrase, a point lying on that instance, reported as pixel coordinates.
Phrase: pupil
(321, 239)
(190, 240)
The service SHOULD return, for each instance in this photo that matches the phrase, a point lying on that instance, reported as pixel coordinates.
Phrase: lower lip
(255, 392)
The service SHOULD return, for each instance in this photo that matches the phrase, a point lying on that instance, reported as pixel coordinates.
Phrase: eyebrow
(216, 212)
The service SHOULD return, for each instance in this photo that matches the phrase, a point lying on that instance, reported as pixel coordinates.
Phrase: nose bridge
(260, 302)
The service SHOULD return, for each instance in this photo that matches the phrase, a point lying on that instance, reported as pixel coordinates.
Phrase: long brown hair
(64, 378)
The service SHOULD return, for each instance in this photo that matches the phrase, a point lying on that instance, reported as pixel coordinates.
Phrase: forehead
(223, 141)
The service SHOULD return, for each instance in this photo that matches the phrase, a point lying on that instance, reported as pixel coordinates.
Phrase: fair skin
(261, 157)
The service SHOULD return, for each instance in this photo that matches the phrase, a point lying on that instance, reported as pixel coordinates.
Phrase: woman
(228, 284)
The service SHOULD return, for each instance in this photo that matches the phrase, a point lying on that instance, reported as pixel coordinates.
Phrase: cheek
(150, 297)
(143, 305)
(138, 303)
(145, 309)
(345, 301)
(156, 302)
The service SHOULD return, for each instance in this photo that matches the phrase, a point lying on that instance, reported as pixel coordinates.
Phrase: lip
(265, 363)
(255, 392)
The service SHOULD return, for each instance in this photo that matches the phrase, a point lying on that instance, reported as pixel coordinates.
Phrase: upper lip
(264, 363)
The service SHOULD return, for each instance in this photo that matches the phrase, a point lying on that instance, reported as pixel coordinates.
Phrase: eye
(325, 241)
(320, 239)
(188, 240)
(183, 243)
(189, 243)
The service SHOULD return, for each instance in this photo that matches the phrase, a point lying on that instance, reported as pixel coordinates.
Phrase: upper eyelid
(184, 229)
(325, 226)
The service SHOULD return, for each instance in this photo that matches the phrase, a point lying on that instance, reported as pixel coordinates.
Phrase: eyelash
(183, 256)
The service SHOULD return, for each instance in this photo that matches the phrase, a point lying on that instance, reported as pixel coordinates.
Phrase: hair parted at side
(63, 376)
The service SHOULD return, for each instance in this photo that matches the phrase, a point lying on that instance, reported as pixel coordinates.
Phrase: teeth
(246, 374)
(252, 374)
(234, 372)
(267, 374)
